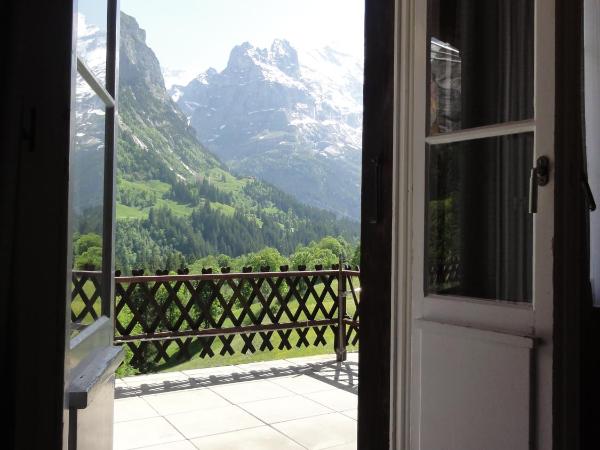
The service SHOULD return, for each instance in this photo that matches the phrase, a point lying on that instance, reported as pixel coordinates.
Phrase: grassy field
(227, 184)
(77, 305)
(240, 358)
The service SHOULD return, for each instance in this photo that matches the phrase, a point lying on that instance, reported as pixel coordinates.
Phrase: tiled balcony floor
(299, 403)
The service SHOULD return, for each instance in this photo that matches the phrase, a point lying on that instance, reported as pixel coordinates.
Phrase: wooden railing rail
(167, 317)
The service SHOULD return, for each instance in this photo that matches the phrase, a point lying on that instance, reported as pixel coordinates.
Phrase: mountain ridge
(293, 120)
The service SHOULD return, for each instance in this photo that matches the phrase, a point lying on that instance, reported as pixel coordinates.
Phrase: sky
(192, 35)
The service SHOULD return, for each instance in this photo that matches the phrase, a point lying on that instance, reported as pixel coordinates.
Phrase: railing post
(340, 350)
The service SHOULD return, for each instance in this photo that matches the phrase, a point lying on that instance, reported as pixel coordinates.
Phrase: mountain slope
(176, 200)
(294, 121)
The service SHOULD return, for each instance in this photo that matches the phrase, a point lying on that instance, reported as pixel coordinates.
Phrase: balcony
(298, 403)
(233, 360)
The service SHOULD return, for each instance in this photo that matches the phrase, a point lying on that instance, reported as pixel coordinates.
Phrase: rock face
(293, 120)
(155, 139)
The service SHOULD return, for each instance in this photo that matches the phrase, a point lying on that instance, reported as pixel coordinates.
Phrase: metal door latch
(539, 176)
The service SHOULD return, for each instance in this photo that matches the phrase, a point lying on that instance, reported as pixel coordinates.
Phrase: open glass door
(92, 358)
(482, 152)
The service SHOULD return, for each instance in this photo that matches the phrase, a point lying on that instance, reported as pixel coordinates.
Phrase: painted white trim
(543, 294)
(500, 129)
(491, 315)
(92, 81)
(417, 45)
(401, 230)
(476, 333)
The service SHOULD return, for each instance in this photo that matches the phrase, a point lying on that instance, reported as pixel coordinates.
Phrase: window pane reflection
(87, 202)
(478, 229)
(480, 67)
(91, 36)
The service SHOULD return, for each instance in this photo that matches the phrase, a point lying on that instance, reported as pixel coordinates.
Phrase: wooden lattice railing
(445, 273)
(167, 318)
(86, 296)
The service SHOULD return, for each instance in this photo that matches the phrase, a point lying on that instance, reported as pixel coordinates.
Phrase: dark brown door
(374, 405)
(92, 358)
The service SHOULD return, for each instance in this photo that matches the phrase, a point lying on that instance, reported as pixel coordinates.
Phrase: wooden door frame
(575, 391)
(375, 399)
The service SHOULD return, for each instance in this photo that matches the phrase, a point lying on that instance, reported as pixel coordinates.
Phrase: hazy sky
(193, 35)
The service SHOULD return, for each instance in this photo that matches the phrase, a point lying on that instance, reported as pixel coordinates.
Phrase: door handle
(539, 176)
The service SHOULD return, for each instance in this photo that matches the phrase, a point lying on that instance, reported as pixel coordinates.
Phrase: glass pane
(480, 67)
(91, 36)
(87, 202)
(478, 229)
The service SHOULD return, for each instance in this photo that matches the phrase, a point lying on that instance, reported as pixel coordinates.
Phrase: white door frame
(534, 320)
(401, 281)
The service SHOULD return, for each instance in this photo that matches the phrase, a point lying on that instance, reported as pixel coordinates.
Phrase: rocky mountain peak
(138, 64)
(280, 60)
(285, 57)
(240, 57)
(293, 119)
(206, 77)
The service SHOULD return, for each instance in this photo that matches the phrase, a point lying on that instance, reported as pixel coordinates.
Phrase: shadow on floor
(341, 375)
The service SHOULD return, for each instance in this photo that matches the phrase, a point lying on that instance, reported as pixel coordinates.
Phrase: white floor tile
(185, 400)
(260, 438)
(336, 399)
(133, 408)
(143, 433)
(301, 384)
(195, 424)
(348, 446)
(353, 414)
(302, 407)
(320, 432)
(250, 391)
(180, 445)
(284, 408)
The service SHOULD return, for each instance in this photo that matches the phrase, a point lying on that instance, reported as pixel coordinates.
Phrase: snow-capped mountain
(88, 151)
(89, 109)
(294, 120)
(91, 46)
